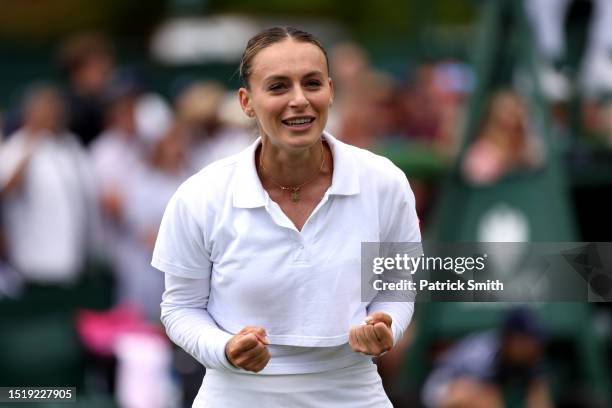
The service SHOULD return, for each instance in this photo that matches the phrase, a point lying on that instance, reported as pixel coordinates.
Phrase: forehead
(287, 58)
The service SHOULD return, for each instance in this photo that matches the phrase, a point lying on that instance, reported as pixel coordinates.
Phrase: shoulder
(14, 140)
(369, 164)
(211, 184)
(376, 174)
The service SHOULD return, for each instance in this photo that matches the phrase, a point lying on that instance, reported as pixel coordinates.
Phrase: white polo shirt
(303, 287)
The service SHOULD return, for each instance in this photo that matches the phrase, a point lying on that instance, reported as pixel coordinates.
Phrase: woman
(261, 251)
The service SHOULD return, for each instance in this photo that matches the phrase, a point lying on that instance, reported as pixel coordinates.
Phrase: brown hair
(76, 50)
(268, 37)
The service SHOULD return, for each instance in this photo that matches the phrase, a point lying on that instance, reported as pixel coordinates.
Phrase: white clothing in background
(225, 142)
(116, 158)
(49, 218)
(149, 193)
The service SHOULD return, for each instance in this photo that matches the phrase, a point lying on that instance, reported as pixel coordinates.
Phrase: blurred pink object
(99, 331)
(144, 372)
(484, 164)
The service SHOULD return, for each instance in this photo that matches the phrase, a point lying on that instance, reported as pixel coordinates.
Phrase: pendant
(295, 196)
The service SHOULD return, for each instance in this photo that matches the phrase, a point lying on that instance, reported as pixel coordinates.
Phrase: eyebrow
(284, 77)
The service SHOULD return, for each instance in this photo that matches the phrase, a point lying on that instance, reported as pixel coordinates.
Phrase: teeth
(300, 121)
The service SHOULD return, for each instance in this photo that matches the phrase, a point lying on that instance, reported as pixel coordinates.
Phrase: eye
(313, 83)
(277, 87)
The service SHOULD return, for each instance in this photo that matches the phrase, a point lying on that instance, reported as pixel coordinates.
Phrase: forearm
(188, 323)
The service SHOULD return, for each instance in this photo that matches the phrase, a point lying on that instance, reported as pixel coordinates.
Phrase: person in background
(505, 142)
(117, 155)
(87, 62)
(117, 152)
(198, 109)
(48, 193)
(165, 168)
(475, 372)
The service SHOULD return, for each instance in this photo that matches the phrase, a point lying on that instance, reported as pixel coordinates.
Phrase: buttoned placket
(300, 239)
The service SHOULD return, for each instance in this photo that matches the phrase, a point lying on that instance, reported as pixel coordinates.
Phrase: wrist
(227, 357)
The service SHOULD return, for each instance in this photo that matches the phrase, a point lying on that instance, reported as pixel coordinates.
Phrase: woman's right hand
(247, 349)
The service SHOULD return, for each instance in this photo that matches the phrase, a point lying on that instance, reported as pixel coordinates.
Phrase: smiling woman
(261, 250)
(288, 90)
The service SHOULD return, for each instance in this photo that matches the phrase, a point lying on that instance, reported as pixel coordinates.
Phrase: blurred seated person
(475, 372)
(47, 193)
(504, 143)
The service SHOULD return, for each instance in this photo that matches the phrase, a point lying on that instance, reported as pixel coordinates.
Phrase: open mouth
(299, 122)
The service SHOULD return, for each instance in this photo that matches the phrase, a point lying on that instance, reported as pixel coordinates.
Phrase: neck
(291, 168)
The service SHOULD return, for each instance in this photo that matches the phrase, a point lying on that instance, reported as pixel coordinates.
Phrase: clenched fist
(247, 349)
(373, 338)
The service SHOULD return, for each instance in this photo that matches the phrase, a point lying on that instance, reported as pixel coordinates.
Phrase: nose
(298, 98)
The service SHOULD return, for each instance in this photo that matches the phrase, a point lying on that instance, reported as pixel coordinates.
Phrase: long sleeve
(401, 315)
(181, 252)
(189, 325)
(400, 234)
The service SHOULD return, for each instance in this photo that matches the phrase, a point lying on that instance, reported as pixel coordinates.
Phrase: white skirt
(355, 386)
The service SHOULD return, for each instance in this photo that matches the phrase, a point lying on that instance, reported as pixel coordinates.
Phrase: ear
(245, 102)
(331, 91)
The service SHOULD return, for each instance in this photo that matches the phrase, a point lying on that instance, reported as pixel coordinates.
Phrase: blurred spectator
(476, 371)
(364, 109)
(117, 152)
(154, 117)
(504, 143)
(419, 114)
(367, 113)
(198, 107)
(431, 104)
(151, 188)
(348, 62)
(87, 61)
(47, 192)
(116, 155)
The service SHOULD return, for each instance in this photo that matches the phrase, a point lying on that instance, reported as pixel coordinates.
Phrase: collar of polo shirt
(248, 191)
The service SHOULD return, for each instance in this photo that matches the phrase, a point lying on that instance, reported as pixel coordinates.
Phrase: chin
(299, 141)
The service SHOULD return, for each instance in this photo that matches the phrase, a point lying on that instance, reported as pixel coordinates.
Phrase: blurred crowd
(87, 167)
(87, 164)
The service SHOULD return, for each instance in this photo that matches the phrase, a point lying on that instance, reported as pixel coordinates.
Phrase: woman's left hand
(373, 338)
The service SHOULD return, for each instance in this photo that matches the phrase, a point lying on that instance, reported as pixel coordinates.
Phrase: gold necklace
(295, 191)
